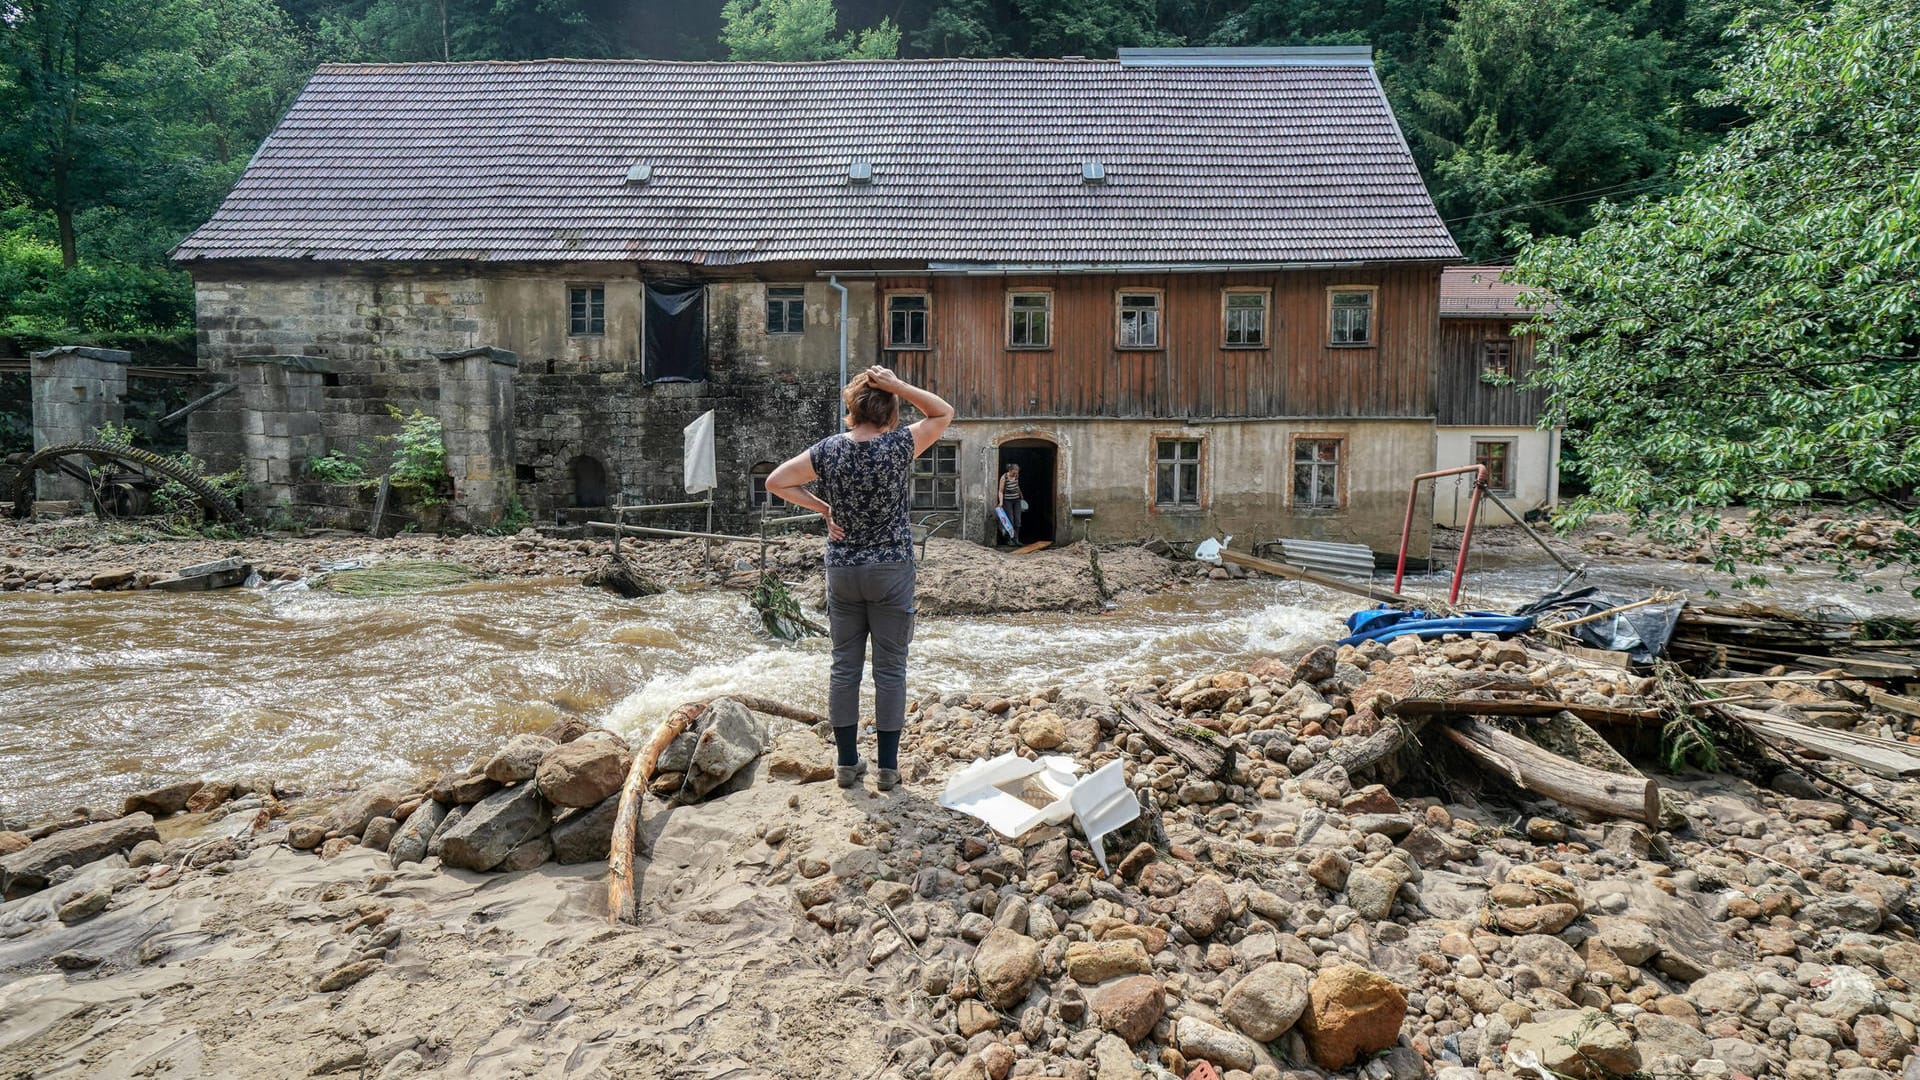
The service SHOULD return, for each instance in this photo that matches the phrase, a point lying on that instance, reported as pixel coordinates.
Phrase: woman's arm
(789, 481)
(934, 408)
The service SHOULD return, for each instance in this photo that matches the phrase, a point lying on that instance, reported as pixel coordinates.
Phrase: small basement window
(758, 496)
(786, 310)
(1496, 359)
(1316, 473)
(1497, 456)
(1350, 314)
(936, 478)
(907, 321)
(1139, 320)
(586, 310)
(1176, 472)
(1029, 320)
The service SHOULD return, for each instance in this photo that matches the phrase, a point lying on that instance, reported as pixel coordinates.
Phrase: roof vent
(1093, 172)
(639, 174)
(860, 171)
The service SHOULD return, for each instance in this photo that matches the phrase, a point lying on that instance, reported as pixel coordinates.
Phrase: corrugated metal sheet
(1346, 560)
(973, 160)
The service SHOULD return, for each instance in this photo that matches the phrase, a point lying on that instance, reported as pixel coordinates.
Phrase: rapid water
(105, 694)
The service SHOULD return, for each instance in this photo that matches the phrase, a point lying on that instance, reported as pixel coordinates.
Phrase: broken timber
(1200, 750)
(1882, 757)
(1605, 714)
(1569, 783)
(1295, 573)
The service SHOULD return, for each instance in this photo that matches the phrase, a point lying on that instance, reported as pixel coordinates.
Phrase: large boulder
(410, 842)
(1584, 1044)
(1351, 1012)
(586, 835)
(1267, 1003)
(494, 826)
(30, 867)
(1128, 1007)
(1006, 964)
(350, 816)
(170, 799)
(519, 759)
(731, 736)
(584, 772)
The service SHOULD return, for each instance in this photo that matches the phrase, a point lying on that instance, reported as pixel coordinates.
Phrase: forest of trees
(128, 119)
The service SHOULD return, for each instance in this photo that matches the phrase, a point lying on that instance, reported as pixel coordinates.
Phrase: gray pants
(872, 601)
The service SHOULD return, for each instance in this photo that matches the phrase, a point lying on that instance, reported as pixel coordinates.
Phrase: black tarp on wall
(675, 349)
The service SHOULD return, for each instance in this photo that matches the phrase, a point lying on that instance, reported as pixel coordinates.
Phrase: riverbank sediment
(1421, 917)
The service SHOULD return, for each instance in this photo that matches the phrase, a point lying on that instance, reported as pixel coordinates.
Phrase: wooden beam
(1295, 573)
(1569, 783)
(1455, 707)
(1882, 757)
(1894, 702)
(1204, 753)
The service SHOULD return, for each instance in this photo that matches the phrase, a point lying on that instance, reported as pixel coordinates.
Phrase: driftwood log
(626, 822)
(1602, 794)
(1199, 749)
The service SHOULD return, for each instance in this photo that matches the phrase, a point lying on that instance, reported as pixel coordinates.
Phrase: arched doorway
(589, 481)
(1039, 482)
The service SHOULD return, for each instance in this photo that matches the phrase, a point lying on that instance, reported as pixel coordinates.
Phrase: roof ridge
(635, 61)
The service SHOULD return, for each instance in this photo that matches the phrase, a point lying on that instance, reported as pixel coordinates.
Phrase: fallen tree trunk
(1566, 782)
(626, 823)
(1200, 750)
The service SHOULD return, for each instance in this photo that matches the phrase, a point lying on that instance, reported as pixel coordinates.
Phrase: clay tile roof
(973, 161)
(1469, 291)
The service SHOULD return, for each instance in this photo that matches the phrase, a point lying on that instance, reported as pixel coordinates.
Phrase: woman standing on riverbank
(863, 477)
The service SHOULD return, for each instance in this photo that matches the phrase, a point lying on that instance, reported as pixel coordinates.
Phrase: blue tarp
(1385, 624)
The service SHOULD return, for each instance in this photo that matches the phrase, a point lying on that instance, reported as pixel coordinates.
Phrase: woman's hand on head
(883, 378)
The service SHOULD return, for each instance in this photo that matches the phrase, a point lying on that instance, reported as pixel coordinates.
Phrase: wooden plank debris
(1035, 546)
(1894, 702)
(1606, 714)
(1295, 573)
(1201, 750)
(1569, 783)
(1882, 757)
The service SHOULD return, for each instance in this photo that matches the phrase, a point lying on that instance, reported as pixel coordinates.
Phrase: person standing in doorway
(1011, 500)
(861, 488)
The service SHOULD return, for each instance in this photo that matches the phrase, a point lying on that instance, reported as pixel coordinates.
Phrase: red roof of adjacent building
(1469, 291)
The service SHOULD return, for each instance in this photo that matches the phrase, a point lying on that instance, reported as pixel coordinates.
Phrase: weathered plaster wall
(1245, 480)
(1534, 466)
(75, 390)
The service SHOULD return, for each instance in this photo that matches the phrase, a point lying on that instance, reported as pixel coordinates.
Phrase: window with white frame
(786, 309)
(758, 496)
(1139, 320)
(1029, 320)
(1350, 314)
(1316, 473)
(586, 310)
(1176, 473)
(907, 321)
(1497, 456)
(936, 478)
(1246, 319)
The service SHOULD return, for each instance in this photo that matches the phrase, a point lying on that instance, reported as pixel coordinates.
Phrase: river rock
(1553, 961)
(1584, 1044)
(379, 833)
(346, 975)
(1113, 1059)
(146, 853)
(494, 826)
(1044, 731)
(1351, 1012)
(1203, 908)
(1845, 911)
(1199, 1039)
(519, 759)
(1317, 665)
(583, 773)
(1724, 992)
(1370, 891)
(586, 835)
(1128, 1007)
(1090, 962)
(1880, 1040)
(11, 842)
(447, 825)
(30, 867)
(410, 840)
(463, 788)
(1267, 1003)
(1006, 964)
(799, 756)
(161, 801)
(85, 906)
(1660, 1034)
(1630, 939)
(731, 736)
(527, 855)
(350, 817)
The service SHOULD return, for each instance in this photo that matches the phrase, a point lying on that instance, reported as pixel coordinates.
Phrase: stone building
(1192, 291)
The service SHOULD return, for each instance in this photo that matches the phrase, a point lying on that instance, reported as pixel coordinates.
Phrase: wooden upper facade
(1351, 342)
(1485, 358)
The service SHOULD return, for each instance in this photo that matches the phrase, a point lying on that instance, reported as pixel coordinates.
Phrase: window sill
(1352, 345)
(908, 348)
(1245, 348)
(595, 337)
(1029, 348)
(1178, 508)
(1298, 509)
(1140, 348)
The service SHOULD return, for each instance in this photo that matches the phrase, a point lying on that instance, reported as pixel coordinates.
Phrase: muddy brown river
(103, 694)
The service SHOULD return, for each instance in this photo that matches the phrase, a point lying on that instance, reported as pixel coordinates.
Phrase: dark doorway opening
(589, 482)
(1038, 460)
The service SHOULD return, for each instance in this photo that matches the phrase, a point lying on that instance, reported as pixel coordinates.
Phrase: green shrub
(337, 468)
(420, 456)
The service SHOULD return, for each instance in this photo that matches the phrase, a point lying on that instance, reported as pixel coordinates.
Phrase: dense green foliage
(1754, 337)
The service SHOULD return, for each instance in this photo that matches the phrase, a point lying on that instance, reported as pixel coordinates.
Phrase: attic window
(1093, 172)
(860, 171)
(639, 174)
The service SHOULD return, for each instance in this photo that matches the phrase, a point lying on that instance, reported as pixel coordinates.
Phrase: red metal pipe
(1466, 538)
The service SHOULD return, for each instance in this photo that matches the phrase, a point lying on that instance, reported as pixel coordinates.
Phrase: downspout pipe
(834, 280)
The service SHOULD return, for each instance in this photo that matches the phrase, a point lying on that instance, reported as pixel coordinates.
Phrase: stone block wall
(477, 428)
(75, 390)
(280, 422)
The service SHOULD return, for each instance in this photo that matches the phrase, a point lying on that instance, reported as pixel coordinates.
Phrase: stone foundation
(75, 390)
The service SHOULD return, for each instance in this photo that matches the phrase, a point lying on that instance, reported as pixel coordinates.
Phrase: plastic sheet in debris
(1013, 794)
